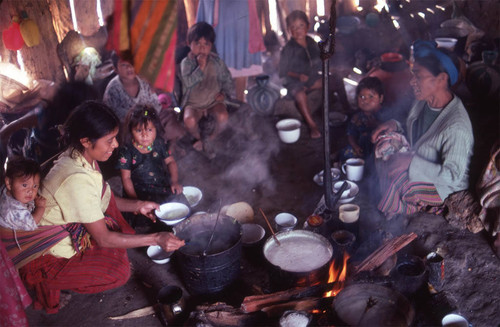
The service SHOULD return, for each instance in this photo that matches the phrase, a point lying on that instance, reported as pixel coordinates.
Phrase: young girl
(370, 95)
(21, 208)
(142, 159)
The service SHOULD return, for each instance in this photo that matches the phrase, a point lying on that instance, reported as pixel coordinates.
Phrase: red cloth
(13, 295)
(95, 270)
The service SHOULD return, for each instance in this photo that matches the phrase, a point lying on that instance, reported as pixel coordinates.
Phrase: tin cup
(435, 265)
(171, 302)
(285, 222)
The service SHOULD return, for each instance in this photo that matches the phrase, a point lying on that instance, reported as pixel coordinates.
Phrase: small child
(300, 63)
(142, 158)
(21, 208)
(370, 95)
(206, 82)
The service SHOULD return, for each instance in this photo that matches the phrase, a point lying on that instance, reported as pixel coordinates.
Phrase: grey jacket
(443, 152)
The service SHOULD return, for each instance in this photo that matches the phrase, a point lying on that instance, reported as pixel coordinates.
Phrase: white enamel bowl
(158, 255)
(318, 178)
(349, 194)
(172, 213)
(193, 195)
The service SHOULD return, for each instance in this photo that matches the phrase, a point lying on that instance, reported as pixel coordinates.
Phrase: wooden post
(327, 48)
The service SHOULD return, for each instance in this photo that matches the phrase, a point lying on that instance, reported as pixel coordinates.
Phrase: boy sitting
(206, 83)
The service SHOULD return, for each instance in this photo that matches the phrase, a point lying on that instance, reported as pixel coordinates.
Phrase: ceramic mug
(353, 168)
(349, 213)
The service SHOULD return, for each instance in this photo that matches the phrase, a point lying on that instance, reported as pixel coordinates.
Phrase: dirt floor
(277, 177)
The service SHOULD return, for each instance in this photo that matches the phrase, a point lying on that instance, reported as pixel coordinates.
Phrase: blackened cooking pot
(301, 259)
(210, 273)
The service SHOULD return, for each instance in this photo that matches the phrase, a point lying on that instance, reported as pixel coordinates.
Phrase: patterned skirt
(405, 197)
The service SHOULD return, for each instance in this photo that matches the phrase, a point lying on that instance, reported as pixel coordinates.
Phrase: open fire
(337, 273)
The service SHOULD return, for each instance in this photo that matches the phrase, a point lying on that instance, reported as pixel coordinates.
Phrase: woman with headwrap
(440, 134)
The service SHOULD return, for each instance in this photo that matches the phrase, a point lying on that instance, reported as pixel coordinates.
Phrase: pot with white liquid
(302, 258)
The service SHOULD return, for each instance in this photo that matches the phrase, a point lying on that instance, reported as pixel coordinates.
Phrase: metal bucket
(301, 259)
(210, 273)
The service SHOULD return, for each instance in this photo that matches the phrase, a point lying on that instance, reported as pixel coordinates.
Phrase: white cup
(285, 221)
(353, 168)
(288, 130)
(349, 213)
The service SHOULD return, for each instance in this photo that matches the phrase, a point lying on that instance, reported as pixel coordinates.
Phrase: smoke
(241, 169)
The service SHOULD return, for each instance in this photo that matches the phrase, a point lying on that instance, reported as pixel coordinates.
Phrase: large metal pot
(301, 259)
(220, 266)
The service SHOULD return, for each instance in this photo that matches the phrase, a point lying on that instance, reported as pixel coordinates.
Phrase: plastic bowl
(158, 255)
(193, 195)
(172, 213)
(288, 130)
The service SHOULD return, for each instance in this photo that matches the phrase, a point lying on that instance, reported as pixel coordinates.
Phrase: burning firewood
(384, 252)
(258, 302)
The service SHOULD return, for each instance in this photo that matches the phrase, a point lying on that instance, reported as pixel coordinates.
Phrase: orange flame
(335, 275)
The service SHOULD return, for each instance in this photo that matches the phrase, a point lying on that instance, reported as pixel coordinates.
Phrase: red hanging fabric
(12, 37)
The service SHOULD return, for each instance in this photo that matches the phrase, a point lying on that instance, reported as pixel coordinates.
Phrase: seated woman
(88, 255)
(440, 134)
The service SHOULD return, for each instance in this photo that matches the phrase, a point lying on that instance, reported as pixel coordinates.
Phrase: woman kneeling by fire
(81, 241)
(435, 162)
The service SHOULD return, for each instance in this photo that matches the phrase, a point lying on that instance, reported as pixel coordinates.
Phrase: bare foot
(315, 133)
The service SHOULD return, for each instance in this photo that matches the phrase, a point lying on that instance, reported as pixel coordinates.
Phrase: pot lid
(373, 305)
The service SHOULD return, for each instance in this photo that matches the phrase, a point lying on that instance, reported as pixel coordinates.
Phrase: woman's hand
(169, 242)
(386, 127)
(147, 208)
(176, 188)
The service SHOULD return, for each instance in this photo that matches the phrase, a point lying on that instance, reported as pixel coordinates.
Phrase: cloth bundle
(390, 143)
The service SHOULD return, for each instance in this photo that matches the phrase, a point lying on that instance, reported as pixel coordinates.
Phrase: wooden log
(221, 314)
(257, 302)
(384, 252)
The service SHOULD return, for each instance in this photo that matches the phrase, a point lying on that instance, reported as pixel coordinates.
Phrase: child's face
(24, 189)
(144, 135)
(298, 29)
(202, 46)
(369, 100)
(125, 70)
